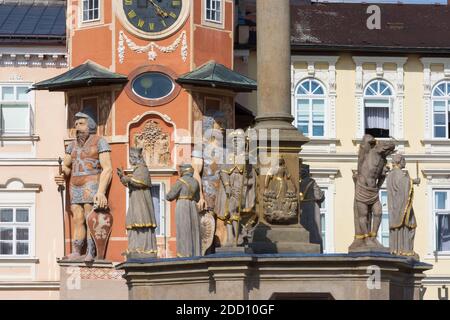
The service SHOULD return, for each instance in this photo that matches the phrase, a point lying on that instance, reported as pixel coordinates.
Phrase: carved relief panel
(154, 136)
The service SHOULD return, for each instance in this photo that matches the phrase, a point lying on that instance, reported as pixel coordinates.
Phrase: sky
(388, 1)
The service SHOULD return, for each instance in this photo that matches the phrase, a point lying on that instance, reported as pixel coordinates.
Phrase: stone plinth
(99, 281)
(282, 239)
(285, 276)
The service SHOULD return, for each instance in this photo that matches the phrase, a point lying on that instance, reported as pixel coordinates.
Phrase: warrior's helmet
(87, 114)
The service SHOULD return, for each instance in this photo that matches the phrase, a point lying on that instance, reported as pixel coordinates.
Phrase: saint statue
(369, 178)
(402, 221)
(88, 164)
(186, 192)
(237, 189)
(140, 221)
(311, 198)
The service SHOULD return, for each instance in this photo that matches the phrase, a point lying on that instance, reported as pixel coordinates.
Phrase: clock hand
(159, 10)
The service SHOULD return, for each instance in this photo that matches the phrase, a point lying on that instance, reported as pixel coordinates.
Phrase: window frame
(311, 97)
(14, 225)
(163, 205)
(385, 214)
(162, 223)
(324, 225)
(446, 99)
(30, 102)
(210, 22)
(82, 4)
(379, 96)
(435, 220)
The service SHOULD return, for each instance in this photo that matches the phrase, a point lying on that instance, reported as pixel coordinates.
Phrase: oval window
(153, 85)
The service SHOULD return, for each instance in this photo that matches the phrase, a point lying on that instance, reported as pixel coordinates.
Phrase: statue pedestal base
(225, 250)
(276, 276)
(373, 246)
(98, 280)
(282, 239)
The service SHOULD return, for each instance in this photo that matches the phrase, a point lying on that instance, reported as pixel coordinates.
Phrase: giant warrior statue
(88, 164)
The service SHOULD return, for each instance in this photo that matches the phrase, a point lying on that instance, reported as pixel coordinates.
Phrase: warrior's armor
(86, 168)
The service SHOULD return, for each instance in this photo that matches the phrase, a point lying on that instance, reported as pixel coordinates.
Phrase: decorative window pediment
(380, 91)
(436, 104)
(314, 100)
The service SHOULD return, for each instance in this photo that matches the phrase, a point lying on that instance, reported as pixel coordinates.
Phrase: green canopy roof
(88, 74)
(216, 75)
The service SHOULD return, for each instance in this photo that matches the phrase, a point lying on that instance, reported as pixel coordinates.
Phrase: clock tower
(141, 65)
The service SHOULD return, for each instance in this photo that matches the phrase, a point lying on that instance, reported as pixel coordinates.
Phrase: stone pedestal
(234, 250)
(283, 239)
(96, 281)
(277, 276)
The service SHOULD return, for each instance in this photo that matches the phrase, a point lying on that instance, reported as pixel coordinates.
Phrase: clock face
(152, 16)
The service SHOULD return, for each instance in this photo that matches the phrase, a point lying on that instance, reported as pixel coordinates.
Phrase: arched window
(378, 98)
(441, 103)
(310, 105)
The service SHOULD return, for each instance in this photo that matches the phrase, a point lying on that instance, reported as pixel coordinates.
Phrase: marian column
(279, 228)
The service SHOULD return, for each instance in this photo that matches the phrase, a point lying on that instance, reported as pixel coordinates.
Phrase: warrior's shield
(207, 230)
(100, 227)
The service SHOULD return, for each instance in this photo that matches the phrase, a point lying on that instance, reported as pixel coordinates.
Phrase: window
(378, 98)
(158, 196)
(15, 229)
(383, 232)
(441, 108)
(16, 113)
(213, 12)
(153, 85)
(441, 212)
(91, 10)
(310, 105)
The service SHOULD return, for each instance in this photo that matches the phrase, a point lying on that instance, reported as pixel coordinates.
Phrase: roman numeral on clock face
(132, 14)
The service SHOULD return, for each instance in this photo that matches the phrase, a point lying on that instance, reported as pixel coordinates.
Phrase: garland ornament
(150, 48)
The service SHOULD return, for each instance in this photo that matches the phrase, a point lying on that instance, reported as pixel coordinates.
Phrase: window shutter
(162, 209)
(392, 132)
(31, 113)
(2, 129)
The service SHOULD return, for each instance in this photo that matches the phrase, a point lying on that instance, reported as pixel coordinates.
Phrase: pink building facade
(32, 124)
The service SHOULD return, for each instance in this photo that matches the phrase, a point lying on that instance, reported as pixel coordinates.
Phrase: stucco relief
(151, 47)
(155, 144)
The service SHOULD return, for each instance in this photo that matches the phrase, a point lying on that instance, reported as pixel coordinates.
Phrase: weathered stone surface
(260, 277)
(282, 239)
(98, 280)
(232, 249)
